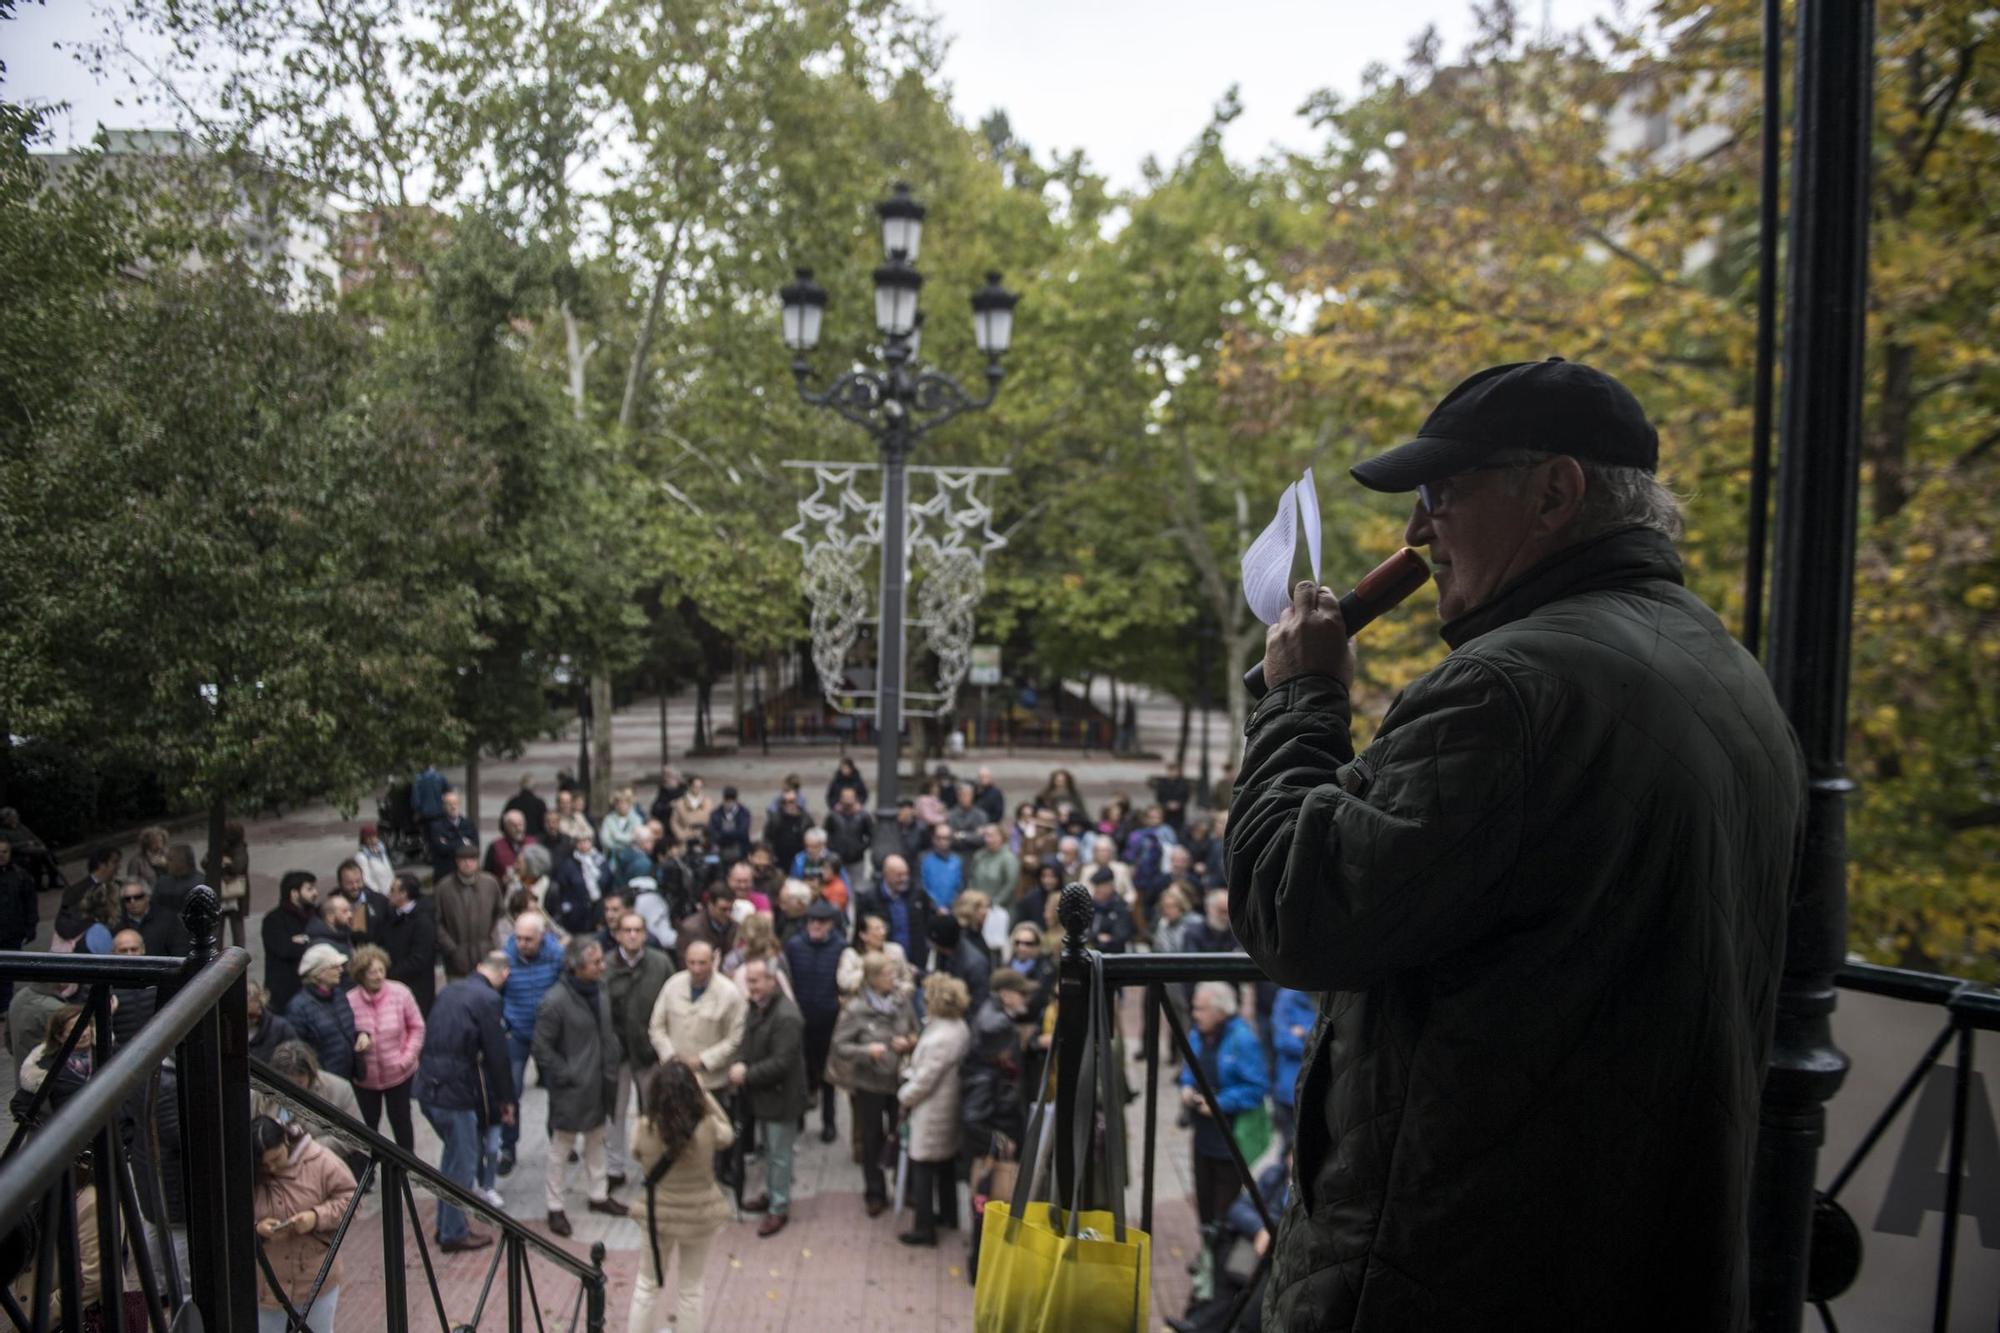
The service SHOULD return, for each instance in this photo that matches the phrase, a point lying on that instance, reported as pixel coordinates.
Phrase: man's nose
(1418, 531)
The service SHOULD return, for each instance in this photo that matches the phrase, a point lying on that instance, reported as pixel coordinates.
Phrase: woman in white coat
(929, 1096)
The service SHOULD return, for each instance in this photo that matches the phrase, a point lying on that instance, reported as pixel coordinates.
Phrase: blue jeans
(459, 1164)
(779, 1138)
(517, 1055)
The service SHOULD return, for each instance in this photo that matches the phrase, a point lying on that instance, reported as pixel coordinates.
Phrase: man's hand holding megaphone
(1310, 639)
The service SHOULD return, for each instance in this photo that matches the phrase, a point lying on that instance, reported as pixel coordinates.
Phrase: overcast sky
(1120, 79)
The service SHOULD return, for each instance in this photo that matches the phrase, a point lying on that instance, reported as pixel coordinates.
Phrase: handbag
(1252, 1131)
(1048, 1269)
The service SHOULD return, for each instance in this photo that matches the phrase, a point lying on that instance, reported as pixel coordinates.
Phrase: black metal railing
(1836, 1251)
(199, 1025)
(200, 1031)
(1969, 1008)
(399, 1173)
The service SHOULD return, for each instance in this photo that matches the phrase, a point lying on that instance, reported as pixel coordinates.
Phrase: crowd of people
(694, 983)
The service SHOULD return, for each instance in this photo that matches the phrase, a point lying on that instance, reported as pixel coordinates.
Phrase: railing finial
(1076, 913)
(202, 915)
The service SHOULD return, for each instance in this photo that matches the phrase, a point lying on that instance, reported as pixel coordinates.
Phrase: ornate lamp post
(896, 405)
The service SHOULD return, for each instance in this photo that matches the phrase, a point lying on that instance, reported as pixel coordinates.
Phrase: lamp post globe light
(897, 405)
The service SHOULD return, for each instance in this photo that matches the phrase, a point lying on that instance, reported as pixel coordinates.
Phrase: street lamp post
(897, 405)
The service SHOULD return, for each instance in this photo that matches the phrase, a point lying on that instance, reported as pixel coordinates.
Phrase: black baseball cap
(1553, 406)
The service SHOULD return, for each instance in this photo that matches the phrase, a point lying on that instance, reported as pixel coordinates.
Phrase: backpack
(1149, 869)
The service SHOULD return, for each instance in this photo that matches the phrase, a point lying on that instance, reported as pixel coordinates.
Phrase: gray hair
(535, 860)
(580, 949)
(1613, 497)
(1220, 994)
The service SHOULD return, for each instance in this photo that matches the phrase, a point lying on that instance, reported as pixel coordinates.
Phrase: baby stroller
(401, 829)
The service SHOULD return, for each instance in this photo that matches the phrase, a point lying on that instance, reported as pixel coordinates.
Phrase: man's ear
(1559, 499)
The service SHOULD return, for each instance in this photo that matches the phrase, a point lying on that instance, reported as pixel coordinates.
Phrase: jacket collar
(1618, 558)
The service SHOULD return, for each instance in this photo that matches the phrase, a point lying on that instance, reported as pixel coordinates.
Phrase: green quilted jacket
(1546, 907)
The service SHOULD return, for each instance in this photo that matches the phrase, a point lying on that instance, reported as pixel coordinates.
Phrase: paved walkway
(833, 1267)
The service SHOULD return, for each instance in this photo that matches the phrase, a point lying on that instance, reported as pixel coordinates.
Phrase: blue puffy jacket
(326, 1024)
(814, 968)
(1293, 1009)
(529, 981)
(1235, 1062)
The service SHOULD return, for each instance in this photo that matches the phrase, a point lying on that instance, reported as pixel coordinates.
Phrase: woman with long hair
(679, 1131)
(300, 1192)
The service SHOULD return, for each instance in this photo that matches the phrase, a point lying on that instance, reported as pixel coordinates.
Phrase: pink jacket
(312, 1180)
(395, 1028)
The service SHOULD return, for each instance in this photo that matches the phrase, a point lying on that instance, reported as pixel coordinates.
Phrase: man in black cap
(1545, 905)
(812, 956)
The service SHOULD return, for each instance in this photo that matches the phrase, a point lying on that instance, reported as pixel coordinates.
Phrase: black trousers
(1215, 1187)
(875, 1112)
(398, 1101)
(934, 1192)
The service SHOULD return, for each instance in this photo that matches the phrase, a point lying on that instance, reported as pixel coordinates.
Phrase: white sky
(1120, 79)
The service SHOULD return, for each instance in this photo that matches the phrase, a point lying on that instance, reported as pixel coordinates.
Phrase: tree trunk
(602, 763)
(736, 700)
(1187, 725)
(1889, 442)
(666, 749)
(1241, 645)
(471, 801)
(218, 839)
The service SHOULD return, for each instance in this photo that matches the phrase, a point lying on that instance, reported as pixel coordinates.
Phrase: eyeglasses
(1024, 944)
(133, 898)
(1435, 496)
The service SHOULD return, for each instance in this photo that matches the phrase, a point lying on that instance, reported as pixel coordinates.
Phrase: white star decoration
(947, 535)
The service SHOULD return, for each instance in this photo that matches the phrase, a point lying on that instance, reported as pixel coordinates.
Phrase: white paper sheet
(1267, 565)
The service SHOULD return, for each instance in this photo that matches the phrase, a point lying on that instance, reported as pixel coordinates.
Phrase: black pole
(1072, 1029)
(895, 557)
(1812, 589)
(213, 1081)
(1773, 128)
(395, 1294)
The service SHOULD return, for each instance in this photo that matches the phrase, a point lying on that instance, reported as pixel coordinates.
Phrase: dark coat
(326, 1023)
(163, 932)
(1547, 905)
(273, 1031)
(633, 989)
(729, 831)
(993, 805)
(774, 1055)
(441, 839)
(532, 807)
(990, 1081)
(895, 838)
(920, 908)
(20, 911)
(577, 1054)
(1112, 928)
(849, 836)
(567, 898)
(814, 969)
(284, 945)
(970, 963)
(464, 1065)
(411, 939)
(135, 1009)
(787, 834)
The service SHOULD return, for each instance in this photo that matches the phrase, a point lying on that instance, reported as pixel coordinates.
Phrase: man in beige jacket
(699, 1018)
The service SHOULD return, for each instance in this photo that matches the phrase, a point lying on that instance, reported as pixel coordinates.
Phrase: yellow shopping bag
(1044, 1269)
(1034, 1278)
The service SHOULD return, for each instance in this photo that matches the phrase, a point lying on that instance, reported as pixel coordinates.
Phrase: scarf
(884, 1005)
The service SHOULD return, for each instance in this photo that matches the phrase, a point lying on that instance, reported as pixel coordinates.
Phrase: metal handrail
(387, 1149)
(1973, 1003)
(41, 1161)
(88, 968)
